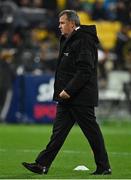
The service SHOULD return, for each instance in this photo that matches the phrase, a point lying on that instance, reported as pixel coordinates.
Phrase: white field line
(64, 151)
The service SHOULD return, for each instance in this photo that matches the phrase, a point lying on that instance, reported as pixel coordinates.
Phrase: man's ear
(73, 24)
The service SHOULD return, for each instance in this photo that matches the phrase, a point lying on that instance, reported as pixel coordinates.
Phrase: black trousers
(66, 116)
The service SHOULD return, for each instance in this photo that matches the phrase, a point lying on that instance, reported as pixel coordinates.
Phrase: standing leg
(87, 122)
(62, 125)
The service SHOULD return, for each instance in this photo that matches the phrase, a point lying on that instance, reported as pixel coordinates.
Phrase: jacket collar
(65, 41)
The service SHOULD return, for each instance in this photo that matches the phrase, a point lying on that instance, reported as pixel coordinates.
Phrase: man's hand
(64, 95)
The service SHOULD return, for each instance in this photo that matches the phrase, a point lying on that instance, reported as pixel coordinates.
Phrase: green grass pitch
(20, 143)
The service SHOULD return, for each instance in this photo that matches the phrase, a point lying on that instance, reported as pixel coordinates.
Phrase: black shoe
(36, 168)
(102, 172)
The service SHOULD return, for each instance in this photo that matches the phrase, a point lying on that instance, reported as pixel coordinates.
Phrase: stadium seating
(114, 90)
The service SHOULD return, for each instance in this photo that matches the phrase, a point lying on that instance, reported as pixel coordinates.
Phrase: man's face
(66, 26)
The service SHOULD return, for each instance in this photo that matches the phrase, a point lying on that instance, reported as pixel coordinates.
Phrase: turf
(20, 143)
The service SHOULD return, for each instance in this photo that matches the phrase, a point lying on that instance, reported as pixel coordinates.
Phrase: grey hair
(71, 15)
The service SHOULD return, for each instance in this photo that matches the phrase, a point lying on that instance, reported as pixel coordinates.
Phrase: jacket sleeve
(85, 67)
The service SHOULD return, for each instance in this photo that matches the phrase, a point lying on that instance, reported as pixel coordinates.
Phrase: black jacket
(76, 71)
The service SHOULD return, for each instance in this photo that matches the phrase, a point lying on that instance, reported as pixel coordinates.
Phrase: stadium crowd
(29, 37)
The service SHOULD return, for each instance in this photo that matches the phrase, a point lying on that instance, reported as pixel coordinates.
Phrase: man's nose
(59, 26)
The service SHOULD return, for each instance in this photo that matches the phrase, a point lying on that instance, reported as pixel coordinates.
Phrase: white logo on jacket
(66, 54)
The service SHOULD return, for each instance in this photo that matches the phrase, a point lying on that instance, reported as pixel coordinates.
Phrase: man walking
(76, 91)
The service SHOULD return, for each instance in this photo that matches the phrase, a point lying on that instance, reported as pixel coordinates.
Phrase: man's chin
(63, 34)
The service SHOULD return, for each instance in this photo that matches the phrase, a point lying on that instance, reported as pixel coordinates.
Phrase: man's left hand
(64, 95)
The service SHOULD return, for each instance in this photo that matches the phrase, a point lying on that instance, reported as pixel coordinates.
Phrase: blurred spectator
(37, 3)
(49, 53)
(127, 90)
(71, 4)
(50, 5)
(52, 22)
(101, 60)
(108, 3)
(23, 3)
(127, 54)
(123, 11)
(7, 75)
(98, 11)
(121, 40)
(110, 6)
(4, 40)
(27, 47)
(87, 6)
(102, 72)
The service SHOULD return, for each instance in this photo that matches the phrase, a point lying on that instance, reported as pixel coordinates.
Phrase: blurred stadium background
(29, 39)
(28, 52)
